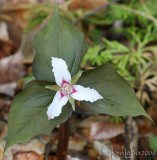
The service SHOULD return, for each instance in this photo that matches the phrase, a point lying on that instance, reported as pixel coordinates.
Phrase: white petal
(55, 108)
(60, 70)
(85, 94)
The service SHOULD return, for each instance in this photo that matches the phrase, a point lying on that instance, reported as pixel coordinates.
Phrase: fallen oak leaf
(105, 130)
(105, 152)
(31, 155)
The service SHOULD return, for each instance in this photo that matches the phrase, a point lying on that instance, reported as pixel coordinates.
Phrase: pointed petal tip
(55, 59)
(51, 116)
(86, 94)
(96, 97)
(52, 58)
(100, 97)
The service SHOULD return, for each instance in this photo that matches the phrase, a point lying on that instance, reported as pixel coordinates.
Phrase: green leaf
(153, 142)
(115, 46)
(72, 102)
(118, 96)
(58, 38)
(28, 116)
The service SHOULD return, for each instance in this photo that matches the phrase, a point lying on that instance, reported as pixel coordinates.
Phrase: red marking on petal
(63, 94)
(64, 82)
(73, 90)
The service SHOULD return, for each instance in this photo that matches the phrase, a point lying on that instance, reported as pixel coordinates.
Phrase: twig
(131, 138)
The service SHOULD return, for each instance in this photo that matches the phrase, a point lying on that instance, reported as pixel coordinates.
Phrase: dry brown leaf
(11, 68)
(105, 130)
(152, 111)
(87, 4)
(145, 127)
(18, 150)
(4, 35)
(28, 156)
(27, 50)
(76, 143)
(8, 89)
(86, 123)
(104, 152)
(13, 16)
(6, 45)
(85, 126)
(6, 48)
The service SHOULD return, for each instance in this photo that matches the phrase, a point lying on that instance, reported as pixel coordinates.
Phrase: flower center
(66, 89)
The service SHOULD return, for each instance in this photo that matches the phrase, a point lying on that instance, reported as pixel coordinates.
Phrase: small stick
(131, 138)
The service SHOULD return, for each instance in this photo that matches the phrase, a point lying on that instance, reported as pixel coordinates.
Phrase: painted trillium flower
(67, 90)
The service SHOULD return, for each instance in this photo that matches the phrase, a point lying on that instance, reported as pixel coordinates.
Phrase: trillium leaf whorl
(59, 48)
